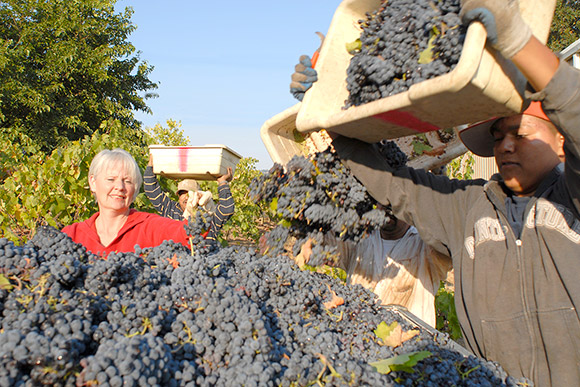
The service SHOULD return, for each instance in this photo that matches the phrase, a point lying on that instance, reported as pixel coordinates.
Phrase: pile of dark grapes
(403, 43)
(196, 227)
(164, 317)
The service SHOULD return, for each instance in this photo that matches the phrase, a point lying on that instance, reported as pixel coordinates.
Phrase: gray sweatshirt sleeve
(159, 199)
(435, 205)
(561, 103)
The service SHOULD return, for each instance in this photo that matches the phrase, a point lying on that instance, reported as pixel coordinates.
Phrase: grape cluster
(196, 226)
(319, 196)
(403, 43)
(393, 155)
(162, 317)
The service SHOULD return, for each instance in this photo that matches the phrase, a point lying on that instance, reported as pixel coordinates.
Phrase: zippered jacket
(517, 299)
(141, 228)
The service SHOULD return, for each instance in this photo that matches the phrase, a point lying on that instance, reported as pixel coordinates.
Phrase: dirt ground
(264, 225)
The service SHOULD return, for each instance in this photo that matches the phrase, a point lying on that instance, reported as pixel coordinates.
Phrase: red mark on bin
(182, 159)
(406, 120)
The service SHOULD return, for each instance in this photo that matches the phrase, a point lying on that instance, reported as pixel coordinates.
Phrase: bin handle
(317, 52)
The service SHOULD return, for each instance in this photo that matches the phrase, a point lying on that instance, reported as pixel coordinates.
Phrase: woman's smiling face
(113, 188)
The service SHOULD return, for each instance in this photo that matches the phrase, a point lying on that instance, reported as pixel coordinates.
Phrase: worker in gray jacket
(514, 239)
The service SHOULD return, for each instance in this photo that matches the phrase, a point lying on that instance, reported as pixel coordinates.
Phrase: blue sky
(224, 68)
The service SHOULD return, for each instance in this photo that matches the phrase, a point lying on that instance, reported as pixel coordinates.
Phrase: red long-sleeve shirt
(141, 228)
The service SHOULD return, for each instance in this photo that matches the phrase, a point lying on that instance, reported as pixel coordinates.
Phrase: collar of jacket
(497, 192)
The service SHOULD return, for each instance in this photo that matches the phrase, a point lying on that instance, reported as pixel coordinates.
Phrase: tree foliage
(66, 67)
(172, 135)
(565, 28)
(461, 167)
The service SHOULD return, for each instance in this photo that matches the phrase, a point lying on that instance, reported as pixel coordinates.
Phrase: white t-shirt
(405, 271)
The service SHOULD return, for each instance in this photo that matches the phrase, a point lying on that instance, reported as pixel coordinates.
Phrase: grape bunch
(318, 196)
(403, 43)
(162, 317)
(196, 227)
(392, 154)
(314, 197)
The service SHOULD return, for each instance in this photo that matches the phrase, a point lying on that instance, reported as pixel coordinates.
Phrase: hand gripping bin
(206, 162)
(283, 142)
(482, 85)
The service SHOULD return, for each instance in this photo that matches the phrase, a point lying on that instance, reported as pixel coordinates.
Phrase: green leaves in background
(565, 28)
(447, 320)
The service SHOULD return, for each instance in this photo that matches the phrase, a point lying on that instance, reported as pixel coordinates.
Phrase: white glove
(506, 30)
(206, 201)
(192, 202)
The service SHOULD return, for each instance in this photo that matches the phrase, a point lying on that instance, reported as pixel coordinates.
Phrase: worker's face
(391, 225)
(526, 149)
(393, 222)
(183, 196)
(113, 188)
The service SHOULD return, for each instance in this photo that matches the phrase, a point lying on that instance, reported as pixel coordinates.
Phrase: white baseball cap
(187, 185)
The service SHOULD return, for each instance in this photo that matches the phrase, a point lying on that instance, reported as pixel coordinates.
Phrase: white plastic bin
(483, 84)
(283, 142)
(279, 136)
(206, 162)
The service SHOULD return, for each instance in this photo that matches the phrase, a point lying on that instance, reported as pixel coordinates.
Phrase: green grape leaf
(427, 56)
(383, 330)
(420, 147)
(274, 204)
(354, 47)
(285, 223)
(404, 362)
(298, 137)
(5, 283)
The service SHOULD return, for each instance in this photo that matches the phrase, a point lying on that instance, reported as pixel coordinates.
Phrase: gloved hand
(202, 199)
(206, 201)
(506, 30)
(303, 77)
(191, 205)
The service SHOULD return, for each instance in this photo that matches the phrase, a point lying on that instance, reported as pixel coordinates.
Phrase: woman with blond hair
(115, 180)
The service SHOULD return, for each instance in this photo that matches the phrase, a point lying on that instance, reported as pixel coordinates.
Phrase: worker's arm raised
(506, 30)
(508, 33)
